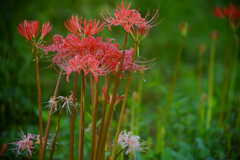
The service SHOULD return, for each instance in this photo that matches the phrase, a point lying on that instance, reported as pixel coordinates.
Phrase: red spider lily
(46, 28)
(128, 62)
(218, 12)
(28, 29)
(90, 55)
(232, 12)
(129, 19)
(73, 25)
(92, 27)
(87, 64)
(87, 27)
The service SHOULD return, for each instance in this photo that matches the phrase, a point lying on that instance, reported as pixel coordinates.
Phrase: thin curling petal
(129, 19)
(46, 28)
(73, 25)
(92, 27)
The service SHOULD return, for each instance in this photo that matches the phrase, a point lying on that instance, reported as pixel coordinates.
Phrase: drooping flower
(80, 27)
(28, 29)
(26, 144)
(129, 142)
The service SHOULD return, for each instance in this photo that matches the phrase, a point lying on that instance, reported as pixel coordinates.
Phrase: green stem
(50, 115)
(211, 84)
(109, 115)
(73, 118)
(105, 102)
(94, 115)
(53, 147)
(122, 113)
(39, 91)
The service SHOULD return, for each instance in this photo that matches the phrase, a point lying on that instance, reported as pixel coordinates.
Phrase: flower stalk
(50, 114)
(39, 93)
(81, 123)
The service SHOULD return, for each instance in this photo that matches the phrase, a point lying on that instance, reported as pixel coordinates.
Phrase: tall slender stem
(109, 115)
(55, 136)
(81, 128)
(39, 91)
(94, 116)
(50, 114)
(210, 84)
(121, 117)
(73, 118)
(105, 102)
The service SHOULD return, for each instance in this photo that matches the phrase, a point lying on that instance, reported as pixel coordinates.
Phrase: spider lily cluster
(94, 59)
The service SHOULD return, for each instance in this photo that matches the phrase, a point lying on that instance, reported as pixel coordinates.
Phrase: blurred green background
(175, 127)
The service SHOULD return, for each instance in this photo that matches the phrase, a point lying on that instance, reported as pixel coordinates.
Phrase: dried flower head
(131, 143)
(26, 144)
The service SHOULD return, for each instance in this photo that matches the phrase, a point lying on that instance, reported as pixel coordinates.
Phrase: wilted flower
(131, 143)
(26, 144)
(67, 102)
(53, 103)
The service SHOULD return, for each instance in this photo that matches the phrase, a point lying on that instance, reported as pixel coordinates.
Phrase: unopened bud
(183, 27)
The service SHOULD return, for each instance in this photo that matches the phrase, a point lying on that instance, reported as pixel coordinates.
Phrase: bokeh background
(172, 114)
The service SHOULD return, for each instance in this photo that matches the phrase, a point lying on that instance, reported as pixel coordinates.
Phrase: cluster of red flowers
(81, 51)
(30, 29)
(231, 12)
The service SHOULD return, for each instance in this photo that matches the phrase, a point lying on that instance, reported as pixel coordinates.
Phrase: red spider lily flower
(92, 27)
(129, 63)
(232, 12)
(128, 19)
(28, 29)
(87, 27)
(46, 28)
(73, 25)
(87, 64)
(218, 12)
(90, 55)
